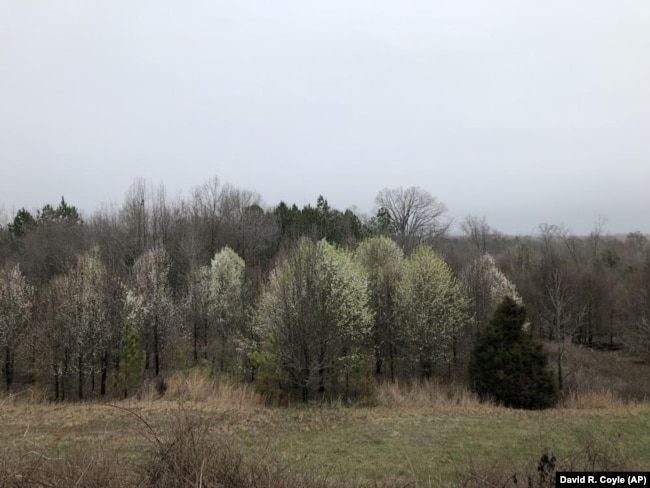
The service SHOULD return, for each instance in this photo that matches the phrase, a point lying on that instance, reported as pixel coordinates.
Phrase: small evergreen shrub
(131, 361)
(508, 366)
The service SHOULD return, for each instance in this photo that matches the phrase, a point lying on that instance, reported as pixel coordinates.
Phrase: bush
(508, 366)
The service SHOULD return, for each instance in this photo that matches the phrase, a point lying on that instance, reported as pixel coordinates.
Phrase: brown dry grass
(198, 422)
(181, 449)
(431, 394)
(588, 371)
(593, 454)
(198, 386)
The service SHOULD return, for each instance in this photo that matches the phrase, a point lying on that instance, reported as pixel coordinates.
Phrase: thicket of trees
(313, 319)
(309, 301)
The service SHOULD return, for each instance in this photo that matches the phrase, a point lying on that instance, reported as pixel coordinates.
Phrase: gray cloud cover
(525, 112)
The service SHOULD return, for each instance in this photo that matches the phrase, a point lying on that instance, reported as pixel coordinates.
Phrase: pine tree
(508, 366)
(131, 360)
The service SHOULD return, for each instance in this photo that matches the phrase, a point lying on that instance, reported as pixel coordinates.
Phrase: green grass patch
(379, 444)
(433, 446)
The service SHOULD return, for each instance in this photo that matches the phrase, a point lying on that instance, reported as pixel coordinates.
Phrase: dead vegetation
(193, 433)
(594, 454)
(598, 379)
(185, 450)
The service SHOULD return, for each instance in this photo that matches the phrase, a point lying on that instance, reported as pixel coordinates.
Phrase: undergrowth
(594, 454)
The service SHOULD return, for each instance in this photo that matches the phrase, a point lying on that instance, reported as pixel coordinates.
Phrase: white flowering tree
(75, 333)
(315, 318)
(432, 310)
(56, 337)
(486, 286)
(80, 299)
(150, 305)
(225, 281)
(16, 300)
(382, 260)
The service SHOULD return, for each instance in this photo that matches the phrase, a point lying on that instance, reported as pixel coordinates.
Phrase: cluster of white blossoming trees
(326, 321)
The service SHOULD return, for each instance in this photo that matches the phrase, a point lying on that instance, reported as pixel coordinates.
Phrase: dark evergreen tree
(23, 222)
(62, 213)
(319, 222)
(508, 366)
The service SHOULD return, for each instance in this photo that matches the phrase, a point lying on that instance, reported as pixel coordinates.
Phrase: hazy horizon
(525, 113)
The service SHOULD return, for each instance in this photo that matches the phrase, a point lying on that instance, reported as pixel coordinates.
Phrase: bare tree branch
(415, 214)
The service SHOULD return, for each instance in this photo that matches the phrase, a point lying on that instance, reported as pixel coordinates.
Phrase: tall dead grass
(33, 395)
(602, 376)
(428, 394)
(443, 396)
(594, 454)
(197, 386)
(593, 400)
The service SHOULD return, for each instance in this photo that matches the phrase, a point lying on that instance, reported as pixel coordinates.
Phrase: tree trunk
(9, 367)
(156, 347)
(427, 369)
(391, 354)
(378, 348)
(205, 339)
(195, 340)
(56, 386)
(64, 373)
(81, 378)
(560, 374)
(378, 361)
(33, 361)
(102, 387)
(321, 372)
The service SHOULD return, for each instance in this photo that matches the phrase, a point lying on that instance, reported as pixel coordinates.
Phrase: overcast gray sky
(526, 112)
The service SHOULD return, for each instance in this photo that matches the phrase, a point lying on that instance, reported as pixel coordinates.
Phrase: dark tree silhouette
(508, 366)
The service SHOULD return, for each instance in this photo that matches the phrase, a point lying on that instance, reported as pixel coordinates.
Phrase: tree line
(306, 302)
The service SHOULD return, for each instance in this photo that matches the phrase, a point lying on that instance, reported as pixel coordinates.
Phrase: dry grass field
(210, 433)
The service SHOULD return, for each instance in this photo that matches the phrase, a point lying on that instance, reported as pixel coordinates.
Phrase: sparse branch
(414, 213)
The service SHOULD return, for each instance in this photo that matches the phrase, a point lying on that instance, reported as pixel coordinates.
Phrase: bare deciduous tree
(136, 217)
(414, 214)
(562, 316)
(477, 230)
(205, 215)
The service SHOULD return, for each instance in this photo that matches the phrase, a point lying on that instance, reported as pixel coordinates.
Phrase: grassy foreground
(426, 436)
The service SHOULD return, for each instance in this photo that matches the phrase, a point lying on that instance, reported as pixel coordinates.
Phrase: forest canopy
(308, 301)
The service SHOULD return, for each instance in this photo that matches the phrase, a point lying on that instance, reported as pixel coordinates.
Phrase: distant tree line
(307, 302)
